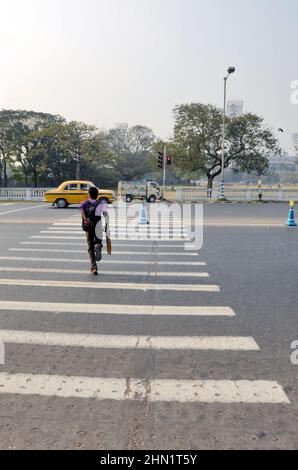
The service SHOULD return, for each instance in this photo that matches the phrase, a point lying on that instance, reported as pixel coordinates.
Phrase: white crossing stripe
(110, 309)
(110, 285)
(243, 223)
(126, 224)
(115, 244)
(142, 253)
(79, 233)
(191, 343)
(107, 261)
(119, 232)
(84, 272)
(122, 228)
(153, 237)
(60, 232)
(182, 391)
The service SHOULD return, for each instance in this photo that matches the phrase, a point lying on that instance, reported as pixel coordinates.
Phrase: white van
(150, 191)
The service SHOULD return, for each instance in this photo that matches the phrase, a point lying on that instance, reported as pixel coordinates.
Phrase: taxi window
(85, 187)
(71, 187)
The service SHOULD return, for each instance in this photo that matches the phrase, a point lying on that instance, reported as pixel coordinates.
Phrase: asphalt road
(140, 358)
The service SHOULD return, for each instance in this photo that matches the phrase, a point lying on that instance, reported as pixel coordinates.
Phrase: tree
(198, 141)
(44, 148)
(5, 146)
(72, 150)
(57, 163)
(130, 149)
(78, 139)
(97, 164)
(25, 149)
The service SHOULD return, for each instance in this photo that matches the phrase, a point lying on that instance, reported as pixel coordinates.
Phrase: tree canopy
(43, 149)
(198, 141)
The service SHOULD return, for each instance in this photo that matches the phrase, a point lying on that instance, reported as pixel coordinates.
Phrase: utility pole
(222, 188)
(164, 171)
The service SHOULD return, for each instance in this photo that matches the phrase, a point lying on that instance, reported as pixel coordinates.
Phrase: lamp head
(231, 70)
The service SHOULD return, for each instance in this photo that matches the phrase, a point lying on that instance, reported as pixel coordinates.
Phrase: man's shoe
(94, 271)
(98, 252)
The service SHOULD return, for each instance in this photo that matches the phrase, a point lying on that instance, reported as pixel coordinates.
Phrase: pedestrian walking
(92, 212)
(260, 191)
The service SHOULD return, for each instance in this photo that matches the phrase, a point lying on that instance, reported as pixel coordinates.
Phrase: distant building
(235, 108)
(121, 125)
(283, 164)
(295, 139)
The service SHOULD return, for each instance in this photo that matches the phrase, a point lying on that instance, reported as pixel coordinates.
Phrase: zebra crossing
(143, 271)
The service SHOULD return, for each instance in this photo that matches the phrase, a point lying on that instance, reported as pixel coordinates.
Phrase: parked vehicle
(75, 192)
(150, 191)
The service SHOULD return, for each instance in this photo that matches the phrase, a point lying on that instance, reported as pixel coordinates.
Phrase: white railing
(182, 195)
(237, 194)
(22, 194)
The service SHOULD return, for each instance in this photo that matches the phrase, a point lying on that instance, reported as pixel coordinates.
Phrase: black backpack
(90, 209)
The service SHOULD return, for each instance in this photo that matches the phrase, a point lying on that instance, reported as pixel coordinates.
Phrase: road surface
(166, 349)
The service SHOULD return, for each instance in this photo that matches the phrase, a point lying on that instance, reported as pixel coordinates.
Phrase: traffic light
(169, 160)
(160, 160)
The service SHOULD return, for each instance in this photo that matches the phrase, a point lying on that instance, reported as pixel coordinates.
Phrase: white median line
(191, 343)
(110, 285)
(24, 209)
(110, 309)
(142, 253)
(114, 273)
(244, 224)
(104, 262)
(182, 274)
(182, 391)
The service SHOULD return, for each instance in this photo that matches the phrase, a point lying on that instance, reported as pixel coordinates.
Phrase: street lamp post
(222, 188)
(164, 171)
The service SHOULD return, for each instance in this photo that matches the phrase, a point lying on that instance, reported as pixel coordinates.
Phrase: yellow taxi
(75, 192)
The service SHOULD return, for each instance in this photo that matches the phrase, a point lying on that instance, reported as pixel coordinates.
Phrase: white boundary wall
(237, 194)
(22, 194)
(190, 194)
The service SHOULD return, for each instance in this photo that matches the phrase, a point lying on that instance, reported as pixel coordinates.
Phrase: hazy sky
(108, 61)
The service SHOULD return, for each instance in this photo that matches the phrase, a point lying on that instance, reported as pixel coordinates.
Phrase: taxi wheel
(61, 203)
